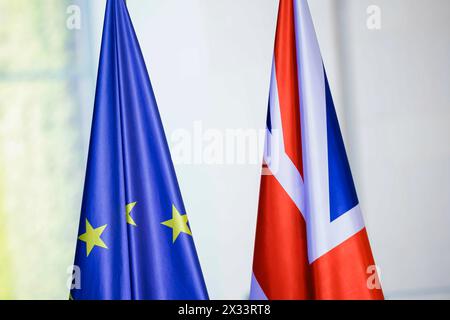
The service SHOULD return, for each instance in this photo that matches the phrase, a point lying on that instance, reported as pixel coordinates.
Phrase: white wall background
(210, 60)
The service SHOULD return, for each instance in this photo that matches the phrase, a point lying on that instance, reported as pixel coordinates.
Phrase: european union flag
(134, 239)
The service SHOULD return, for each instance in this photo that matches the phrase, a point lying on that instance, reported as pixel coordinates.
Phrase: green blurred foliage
(41, 152)
(32, 36)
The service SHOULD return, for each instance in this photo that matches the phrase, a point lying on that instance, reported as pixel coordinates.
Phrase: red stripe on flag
(287, 82)
(280, 262)
(342, 273)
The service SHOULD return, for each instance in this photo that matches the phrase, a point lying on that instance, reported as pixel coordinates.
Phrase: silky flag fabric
(311, 242)
(134, 240)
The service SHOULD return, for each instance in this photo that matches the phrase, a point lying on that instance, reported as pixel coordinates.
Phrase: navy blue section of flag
(342, 188)
(134, 239)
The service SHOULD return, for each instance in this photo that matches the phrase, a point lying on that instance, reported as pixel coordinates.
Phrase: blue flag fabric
(134, 239)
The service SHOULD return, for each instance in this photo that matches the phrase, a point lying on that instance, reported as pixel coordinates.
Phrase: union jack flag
(311, 242)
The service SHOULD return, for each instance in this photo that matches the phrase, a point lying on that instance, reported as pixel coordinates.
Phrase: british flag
(311, 242)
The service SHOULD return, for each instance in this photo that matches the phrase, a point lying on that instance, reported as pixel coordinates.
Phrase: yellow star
(178, 223)
(128, 209)
(92, 237)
